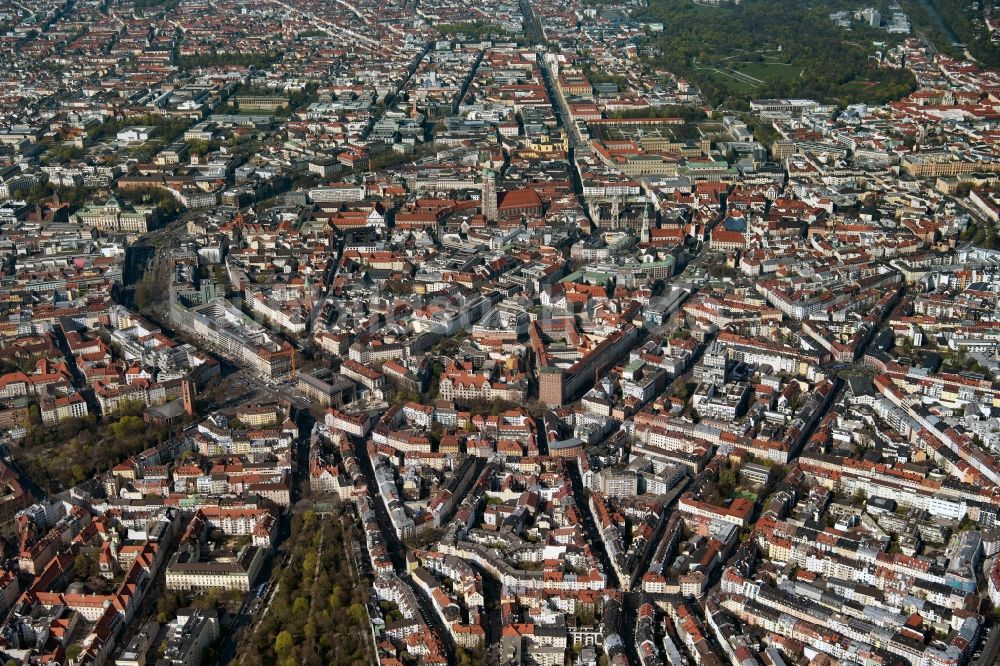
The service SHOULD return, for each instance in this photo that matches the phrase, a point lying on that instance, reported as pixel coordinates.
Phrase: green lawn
(865, 86)
(769, 71)
(726, 81)
(731, 72)
(709, 13)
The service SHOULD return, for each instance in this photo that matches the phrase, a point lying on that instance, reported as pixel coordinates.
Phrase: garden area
(79, 449)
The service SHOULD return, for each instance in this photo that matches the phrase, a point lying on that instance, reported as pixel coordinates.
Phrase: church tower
(488, 196)
(188, 396)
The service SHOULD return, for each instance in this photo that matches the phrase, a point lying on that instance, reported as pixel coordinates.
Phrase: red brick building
(519, 203)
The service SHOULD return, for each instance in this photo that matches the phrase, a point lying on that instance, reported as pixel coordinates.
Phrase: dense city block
(549, 333)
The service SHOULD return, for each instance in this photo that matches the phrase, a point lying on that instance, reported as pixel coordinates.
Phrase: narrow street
(79, 382)
(491, 594)
(591, 529)
(397, 552)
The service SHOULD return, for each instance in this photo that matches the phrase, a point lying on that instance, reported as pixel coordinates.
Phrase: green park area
(754, 49)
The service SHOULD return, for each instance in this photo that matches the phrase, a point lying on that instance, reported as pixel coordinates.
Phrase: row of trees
(833, 68)
(691, 114)
(317, 612)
